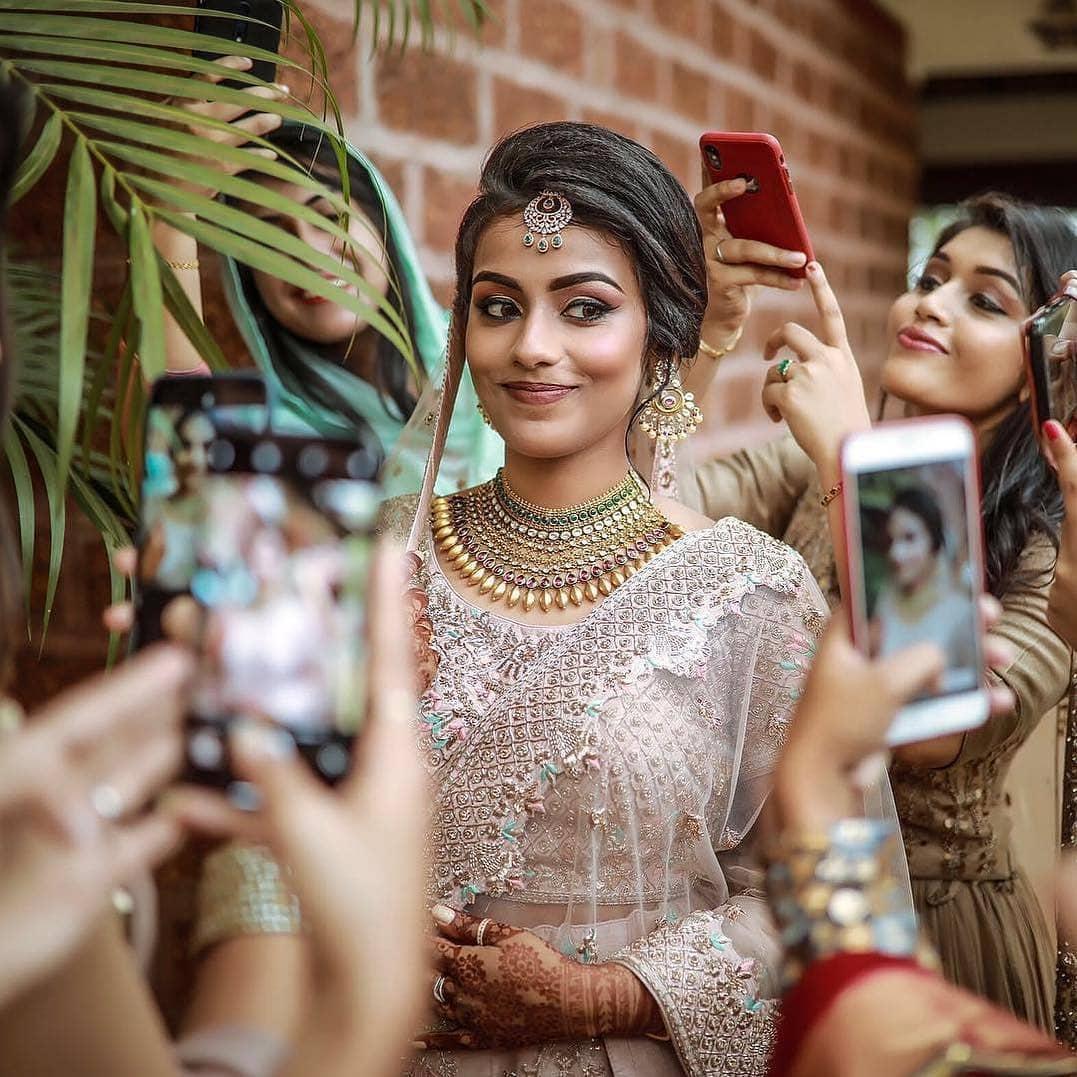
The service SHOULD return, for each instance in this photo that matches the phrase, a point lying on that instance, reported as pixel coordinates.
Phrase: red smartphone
(768, 210)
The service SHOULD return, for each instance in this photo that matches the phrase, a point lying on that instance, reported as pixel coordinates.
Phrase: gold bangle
(720, 353)
(184, 265)
(831, 494)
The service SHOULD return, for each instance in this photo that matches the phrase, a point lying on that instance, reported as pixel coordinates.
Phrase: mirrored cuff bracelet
(832, 893)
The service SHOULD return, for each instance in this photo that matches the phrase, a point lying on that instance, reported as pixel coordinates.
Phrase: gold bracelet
(184, 265)
(831, 494)
(720, 353)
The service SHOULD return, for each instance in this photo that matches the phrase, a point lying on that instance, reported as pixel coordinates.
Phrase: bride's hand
(819, 393)
(515, 989)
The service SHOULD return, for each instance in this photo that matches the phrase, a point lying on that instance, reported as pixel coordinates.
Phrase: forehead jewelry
(545, 216)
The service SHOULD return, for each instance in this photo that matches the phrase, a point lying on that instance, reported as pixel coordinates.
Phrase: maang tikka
(545, 216)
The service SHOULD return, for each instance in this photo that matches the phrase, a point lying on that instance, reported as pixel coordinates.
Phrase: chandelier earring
(482, 412)
(671, 413)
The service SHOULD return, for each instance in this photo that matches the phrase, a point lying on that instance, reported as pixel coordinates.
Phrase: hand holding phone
(914, 550)
(768, 211)
(247, 22)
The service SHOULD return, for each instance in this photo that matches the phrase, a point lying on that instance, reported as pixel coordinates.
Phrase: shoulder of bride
(763, 558)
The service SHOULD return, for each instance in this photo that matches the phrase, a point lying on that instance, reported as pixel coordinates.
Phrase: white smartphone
(914, 543)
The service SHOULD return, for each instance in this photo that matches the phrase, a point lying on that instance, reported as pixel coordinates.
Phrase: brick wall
(825, 76)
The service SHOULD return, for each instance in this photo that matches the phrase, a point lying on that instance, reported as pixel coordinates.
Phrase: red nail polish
(1052, 429)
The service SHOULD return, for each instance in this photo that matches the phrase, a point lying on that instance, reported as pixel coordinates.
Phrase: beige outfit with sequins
(598, 784)
(973, 899)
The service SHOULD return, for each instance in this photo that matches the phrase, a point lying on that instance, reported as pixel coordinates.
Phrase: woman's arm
(175, 246)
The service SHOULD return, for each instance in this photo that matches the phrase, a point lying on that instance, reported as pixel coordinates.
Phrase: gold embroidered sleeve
(243, 891)
(708, 996)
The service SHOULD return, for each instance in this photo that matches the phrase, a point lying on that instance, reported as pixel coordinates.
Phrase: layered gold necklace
(532, 556)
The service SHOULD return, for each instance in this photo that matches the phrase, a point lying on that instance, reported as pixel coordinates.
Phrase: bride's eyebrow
(555, 285)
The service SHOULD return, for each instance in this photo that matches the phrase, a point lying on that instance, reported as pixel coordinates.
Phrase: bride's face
(555, 341)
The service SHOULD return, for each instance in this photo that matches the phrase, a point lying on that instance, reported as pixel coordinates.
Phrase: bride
(610, 676)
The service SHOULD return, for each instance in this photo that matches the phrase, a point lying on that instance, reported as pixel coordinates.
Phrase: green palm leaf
(108, 83)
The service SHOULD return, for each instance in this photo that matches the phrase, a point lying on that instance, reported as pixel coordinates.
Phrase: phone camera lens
(332, 760)
(266, 457)
(713, 156)
(313, 461)
(362, 464)
(222, 455)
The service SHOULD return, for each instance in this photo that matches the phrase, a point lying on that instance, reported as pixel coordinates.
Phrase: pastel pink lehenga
(599, 784)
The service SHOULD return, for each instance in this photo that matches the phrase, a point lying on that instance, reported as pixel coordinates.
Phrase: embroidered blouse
(598, 784)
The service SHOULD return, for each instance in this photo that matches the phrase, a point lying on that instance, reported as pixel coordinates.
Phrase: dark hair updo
(1021, 497)
(923, 505)
(616, 187)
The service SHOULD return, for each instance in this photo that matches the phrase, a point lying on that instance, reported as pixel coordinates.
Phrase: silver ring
(480, 934)
(106, 801)
(439, 991)
(718, 252)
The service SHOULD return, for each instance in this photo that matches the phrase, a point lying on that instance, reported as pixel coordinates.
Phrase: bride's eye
(587, 310)
(497, 307)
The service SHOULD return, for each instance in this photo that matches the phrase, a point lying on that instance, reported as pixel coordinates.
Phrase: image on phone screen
(918, 580)
(280, 571)
(184, 419)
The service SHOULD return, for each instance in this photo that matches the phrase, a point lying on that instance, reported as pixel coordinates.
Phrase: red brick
(636, 69)
(681, 17)
(739, 112)
(763, 56)
(691, 93)
(409, 85)
(445, 198)
(680, 156)
(727, 35)
(552, 31)
(615, 122)
(341, 57)
(517, 106)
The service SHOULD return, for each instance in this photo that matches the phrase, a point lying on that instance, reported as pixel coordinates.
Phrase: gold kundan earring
(671, 414)
(482, 413)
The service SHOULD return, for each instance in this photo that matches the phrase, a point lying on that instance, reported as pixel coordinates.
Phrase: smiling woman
(609, 674)
(955, 346)
(329, 372)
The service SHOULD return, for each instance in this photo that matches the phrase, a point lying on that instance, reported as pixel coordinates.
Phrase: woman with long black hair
(954, 347)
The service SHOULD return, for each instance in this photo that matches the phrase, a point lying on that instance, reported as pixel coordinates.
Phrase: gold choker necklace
(533, 556)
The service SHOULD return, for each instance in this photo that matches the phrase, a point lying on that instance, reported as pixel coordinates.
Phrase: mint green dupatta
(473, 451)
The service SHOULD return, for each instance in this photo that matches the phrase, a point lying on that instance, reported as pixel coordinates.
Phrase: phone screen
(917, 577)
(184, 418)
(280, 571)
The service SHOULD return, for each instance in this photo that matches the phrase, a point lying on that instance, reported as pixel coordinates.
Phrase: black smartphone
(281, 564)
(1050, 337)
(184, 417)
(246, 22)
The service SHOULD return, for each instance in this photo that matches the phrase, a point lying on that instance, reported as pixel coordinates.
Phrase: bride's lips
(536, 392)
(916, 340)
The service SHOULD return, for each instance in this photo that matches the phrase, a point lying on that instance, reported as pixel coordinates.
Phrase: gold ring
(480, 934)
(784, 367)
(718, 252)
